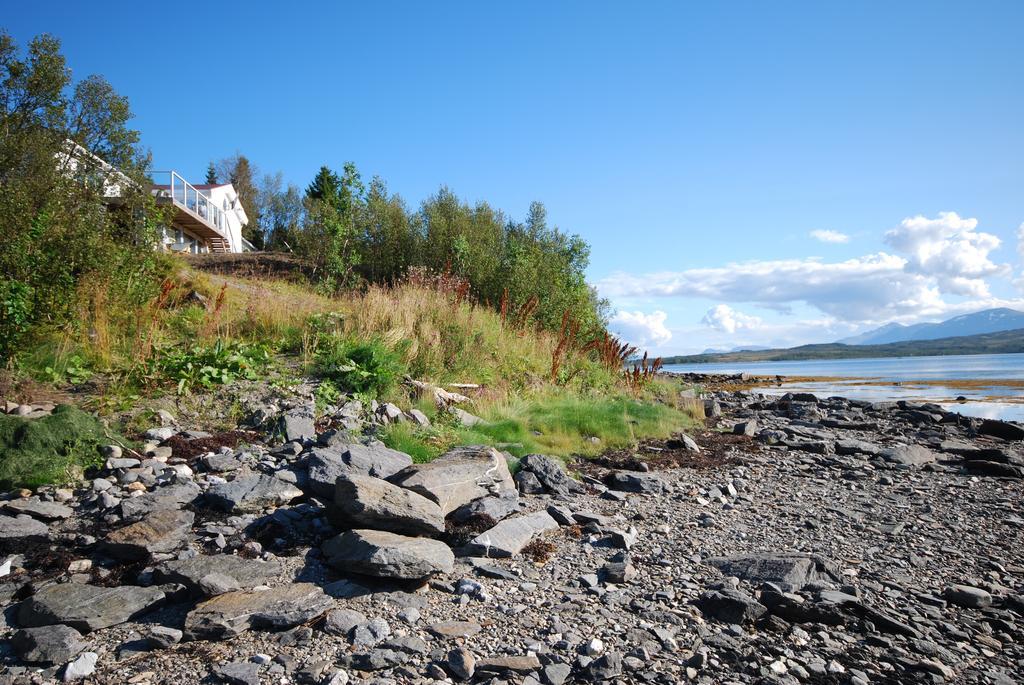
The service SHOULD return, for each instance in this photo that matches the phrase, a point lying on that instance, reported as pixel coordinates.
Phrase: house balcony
(194, 211)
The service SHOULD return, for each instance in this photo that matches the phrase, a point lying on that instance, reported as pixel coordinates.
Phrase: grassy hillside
(1005, 342)
(539, 391)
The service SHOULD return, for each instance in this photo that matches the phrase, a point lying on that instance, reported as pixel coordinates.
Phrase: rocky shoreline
(792, 540)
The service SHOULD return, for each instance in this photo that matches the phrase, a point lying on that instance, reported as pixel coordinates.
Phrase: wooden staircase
(219, 245)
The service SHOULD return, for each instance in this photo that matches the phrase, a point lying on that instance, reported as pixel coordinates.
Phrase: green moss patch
(54, 449)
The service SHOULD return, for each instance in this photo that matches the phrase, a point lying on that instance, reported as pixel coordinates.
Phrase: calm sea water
(901, 378)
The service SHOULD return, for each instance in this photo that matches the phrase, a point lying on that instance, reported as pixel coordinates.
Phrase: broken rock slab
(233, 613)
(790, 572)
(388, 555)
(157, 533)
(169, 497)
(251, 494)
(366, 502)
(86, 607)
(327, 465)
(246, 573)
(458, 477)
(509, 537)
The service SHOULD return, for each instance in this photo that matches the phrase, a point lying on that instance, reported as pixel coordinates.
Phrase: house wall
(225, 197)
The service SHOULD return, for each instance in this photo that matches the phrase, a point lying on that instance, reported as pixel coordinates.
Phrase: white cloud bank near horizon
(937, 267)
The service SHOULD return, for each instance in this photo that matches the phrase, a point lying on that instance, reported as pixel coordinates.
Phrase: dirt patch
(274, 265)
(184, 448)
(718, 451)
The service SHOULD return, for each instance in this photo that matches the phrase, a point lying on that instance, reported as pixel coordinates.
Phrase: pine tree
(211, 174)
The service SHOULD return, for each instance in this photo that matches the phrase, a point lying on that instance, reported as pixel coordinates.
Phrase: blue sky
(696, 146)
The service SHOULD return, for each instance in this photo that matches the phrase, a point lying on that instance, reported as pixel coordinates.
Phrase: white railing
(184, 194)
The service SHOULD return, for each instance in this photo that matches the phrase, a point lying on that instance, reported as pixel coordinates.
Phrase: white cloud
(726, 319)
(945, 255)
(641, 329)
(949, 249)
(830, 236)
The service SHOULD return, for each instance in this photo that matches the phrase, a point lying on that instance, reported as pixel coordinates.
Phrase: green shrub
(52, 449)
(15, 315)
(365, 367)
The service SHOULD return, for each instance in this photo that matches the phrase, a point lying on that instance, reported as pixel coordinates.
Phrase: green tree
(211, 174)
(240, 173)
(66, 151)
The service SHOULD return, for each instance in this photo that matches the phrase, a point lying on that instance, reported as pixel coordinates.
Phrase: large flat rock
(157, 533)
(86, 607)
(233, 613)
(23, 526)
(508, 538)
(246, 573)
(458, 477)
(37, 508)
(908, 455)
(251, 494)
(790, 571)
(168, 497)
(388, 555)
(366, 502)
(376, 460)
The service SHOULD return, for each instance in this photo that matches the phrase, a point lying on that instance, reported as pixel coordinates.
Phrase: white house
(205, 218)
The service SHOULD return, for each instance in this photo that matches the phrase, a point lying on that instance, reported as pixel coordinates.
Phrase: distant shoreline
(1004, 342)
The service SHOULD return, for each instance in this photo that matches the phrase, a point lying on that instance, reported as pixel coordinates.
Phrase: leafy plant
(217, 364)
(73, 369)
(365, 367)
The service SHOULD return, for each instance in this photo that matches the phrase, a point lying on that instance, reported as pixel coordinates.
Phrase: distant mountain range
(1003, 342)
(987, 321)
(744, 348)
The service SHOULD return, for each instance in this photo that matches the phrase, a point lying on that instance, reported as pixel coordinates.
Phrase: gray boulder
(458, 477)
(748, 428)
(626, 481)
(496, 506)
(86, 607)
(233, 613)
(246, 573)
(509, 537)
(730, 606)
(1002, 429)
(368, 502)
(50, 645)
(158, 532)
(376, 460)
(550, 474)
(388, 555)
(297, 424)
(251, 494)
